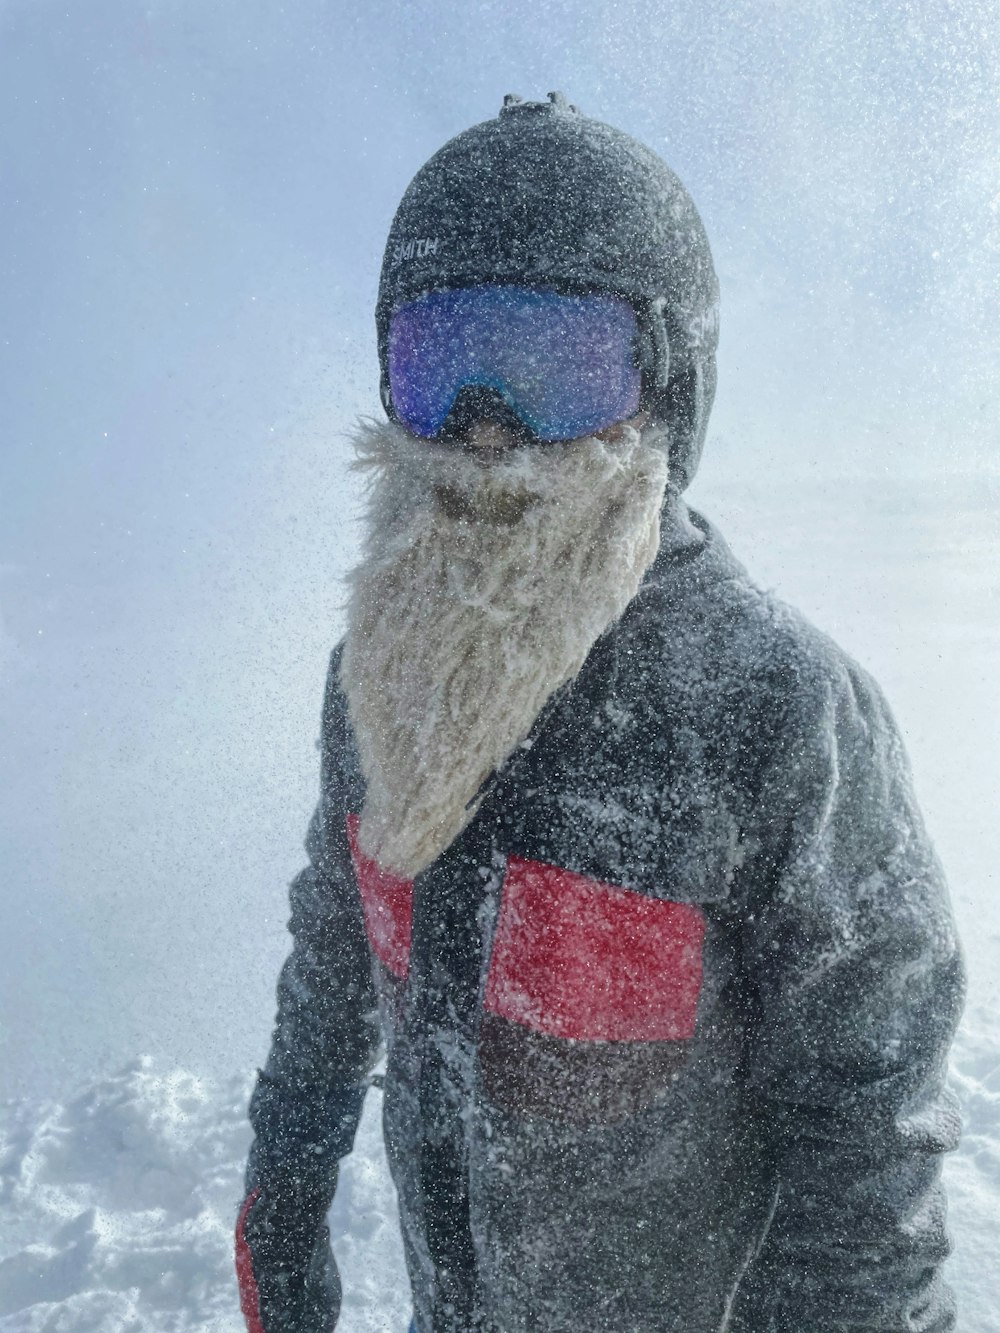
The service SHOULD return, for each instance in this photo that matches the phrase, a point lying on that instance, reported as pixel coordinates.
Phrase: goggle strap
(655, 347)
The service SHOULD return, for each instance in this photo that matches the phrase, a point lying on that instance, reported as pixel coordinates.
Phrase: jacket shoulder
(709, 618)
(777, 703)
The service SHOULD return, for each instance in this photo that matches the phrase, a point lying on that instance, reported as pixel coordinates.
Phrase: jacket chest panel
(624, 792)
(587, 961)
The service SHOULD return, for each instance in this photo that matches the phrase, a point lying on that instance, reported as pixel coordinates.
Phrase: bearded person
(617, 860)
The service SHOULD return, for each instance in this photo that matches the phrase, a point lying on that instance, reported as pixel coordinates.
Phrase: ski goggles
(567, 366)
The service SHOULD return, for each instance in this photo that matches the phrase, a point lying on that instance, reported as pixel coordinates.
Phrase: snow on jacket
(666, 1026)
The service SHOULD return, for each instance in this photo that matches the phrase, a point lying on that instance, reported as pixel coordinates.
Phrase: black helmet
(544, 195)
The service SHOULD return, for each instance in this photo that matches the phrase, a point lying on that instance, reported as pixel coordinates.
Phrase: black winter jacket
(666, 1026)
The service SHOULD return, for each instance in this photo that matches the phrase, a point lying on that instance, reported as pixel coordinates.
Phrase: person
(616, 858)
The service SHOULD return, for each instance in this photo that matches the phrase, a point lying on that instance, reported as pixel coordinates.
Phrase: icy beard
(482, 587)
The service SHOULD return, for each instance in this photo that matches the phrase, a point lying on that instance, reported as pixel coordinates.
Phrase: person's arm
(858, 982)
(307, 1101)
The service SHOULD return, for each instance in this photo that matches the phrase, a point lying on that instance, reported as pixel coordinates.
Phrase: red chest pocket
(387, 902)
(576, 958)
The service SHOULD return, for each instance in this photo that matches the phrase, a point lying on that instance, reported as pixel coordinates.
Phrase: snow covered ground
(118, 1206)
(118, 1211)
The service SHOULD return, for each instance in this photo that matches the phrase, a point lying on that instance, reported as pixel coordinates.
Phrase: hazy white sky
(194, 196)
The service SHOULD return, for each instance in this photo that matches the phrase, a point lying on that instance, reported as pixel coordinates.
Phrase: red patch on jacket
(576, 958)
(387, 902)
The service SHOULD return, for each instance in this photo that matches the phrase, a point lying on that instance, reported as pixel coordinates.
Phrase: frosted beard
(482, 586)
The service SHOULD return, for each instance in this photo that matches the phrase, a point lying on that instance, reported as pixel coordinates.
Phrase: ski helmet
(546, 196)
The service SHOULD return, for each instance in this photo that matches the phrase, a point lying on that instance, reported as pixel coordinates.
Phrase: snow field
(118, 1209)
(118, 1205)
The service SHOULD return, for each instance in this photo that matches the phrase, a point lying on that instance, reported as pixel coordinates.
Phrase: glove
(287, 1276)
(285, 1268)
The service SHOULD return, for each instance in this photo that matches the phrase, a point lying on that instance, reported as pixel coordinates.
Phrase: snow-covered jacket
(666, 1026)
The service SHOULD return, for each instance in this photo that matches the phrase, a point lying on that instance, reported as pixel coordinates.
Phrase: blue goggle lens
(566, 365)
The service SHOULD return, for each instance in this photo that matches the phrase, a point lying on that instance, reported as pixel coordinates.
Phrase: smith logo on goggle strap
(414, 250)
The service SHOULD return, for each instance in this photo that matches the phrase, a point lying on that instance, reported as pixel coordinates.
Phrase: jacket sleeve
(858, 985)
(308, 1097)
